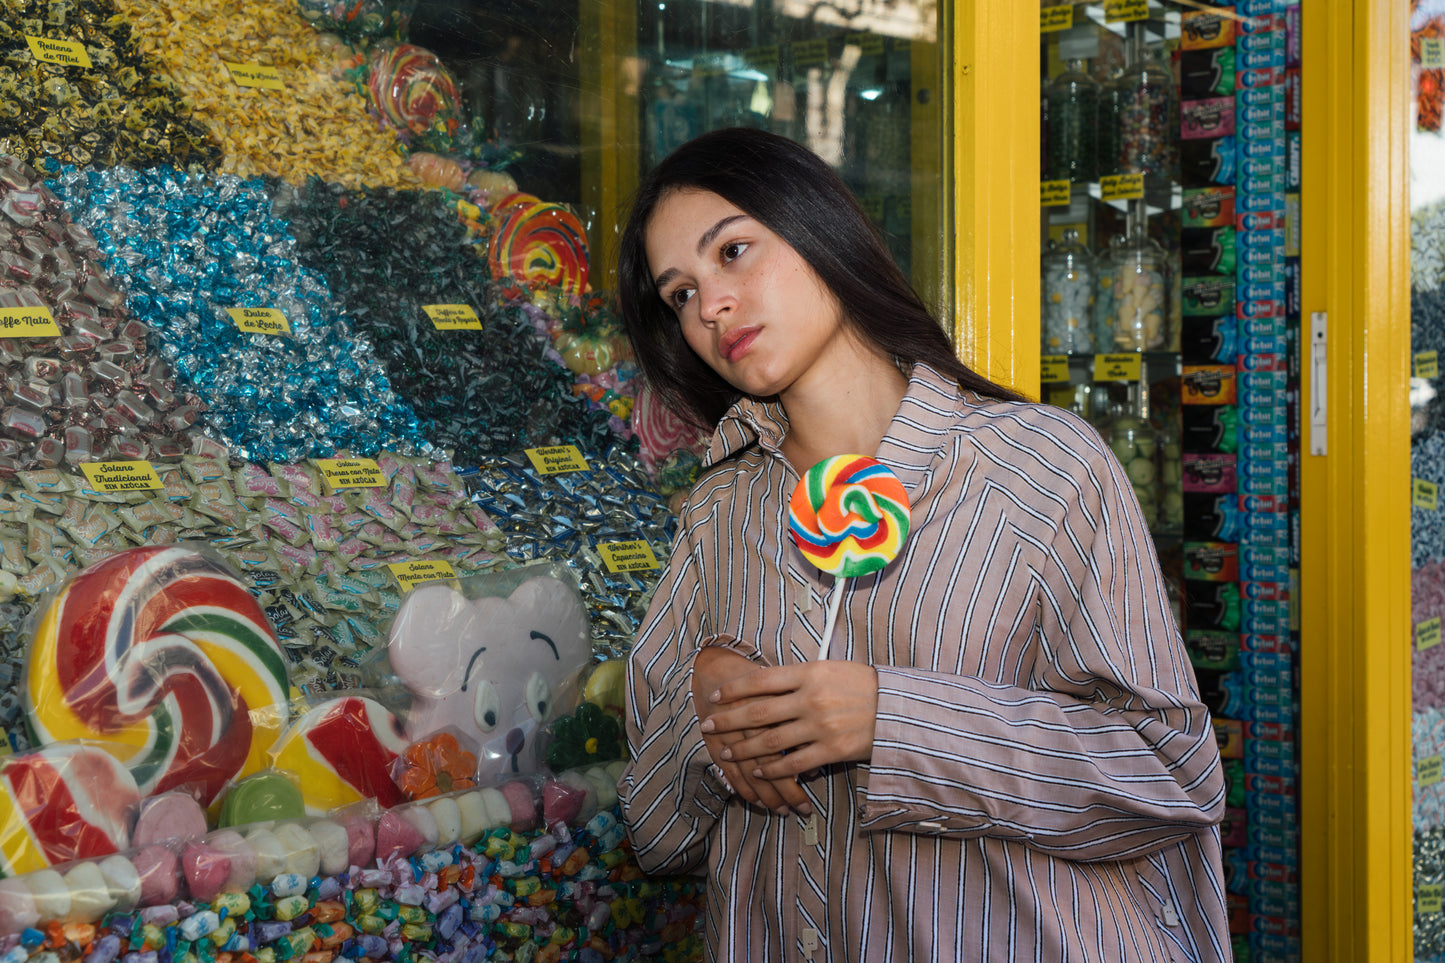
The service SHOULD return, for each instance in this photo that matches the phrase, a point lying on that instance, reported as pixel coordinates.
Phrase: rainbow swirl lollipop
(163, 652)
(413, 91)
(848, 516)
(540, 245)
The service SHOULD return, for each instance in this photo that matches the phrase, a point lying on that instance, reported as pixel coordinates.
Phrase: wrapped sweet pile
(256, 709)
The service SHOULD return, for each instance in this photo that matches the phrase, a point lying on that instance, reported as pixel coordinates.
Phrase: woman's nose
(714, 301)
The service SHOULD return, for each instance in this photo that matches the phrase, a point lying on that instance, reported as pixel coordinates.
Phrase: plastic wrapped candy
(435, 765)
(359, 20)
(496, 657)
(160, 649)
(414, 92)
(67, 801)
(539, 245)
(343, 751)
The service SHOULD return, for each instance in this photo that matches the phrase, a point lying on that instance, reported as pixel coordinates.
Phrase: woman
(1006, 757)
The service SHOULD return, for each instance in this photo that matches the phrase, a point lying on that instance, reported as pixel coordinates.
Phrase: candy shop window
(1169, 205)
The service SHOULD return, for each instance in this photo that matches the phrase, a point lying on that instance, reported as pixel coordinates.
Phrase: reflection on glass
(838, 77)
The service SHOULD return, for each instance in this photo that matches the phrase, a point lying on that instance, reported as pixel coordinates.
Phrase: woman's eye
(680, 297)
(733, 249)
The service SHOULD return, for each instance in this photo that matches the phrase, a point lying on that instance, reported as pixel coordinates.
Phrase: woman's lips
(736, 342)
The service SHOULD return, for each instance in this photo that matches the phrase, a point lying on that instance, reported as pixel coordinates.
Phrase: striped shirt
(1044, 783)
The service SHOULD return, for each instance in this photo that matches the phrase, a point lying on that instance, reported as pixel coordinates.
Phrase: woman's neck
(847, 413)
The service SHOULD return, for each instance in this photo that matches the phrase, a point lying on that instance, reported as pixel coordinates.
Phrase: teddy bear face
(493, 670)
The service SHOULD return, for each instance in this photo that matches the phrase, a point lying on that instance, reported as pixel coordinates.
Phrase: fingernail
(757, 774)
(727, 753)
(782, 810)
(715, 696)
(806, 809)
(707, 725)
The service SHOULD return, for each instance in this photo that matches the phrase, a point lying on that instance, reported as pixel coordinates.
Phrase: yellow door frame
(995, 189)
(1355, 829)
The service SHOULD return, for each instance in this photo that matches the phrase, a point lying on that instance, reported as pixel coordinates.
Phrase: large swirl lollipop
(162, 651)
(848, 516)
(540, 245)
(413, 91)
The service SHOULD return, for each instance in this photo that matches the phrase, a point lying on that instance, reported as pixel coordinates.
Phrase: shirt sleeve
(1105, 752)
(671, 794)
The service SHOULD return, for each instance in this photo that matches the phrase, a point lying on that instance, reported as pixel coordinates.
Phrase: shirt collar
(915, 436)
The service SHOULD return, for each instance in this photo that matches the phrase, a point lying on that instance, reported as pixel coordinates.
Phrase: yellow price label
(871, 44)
(1432, 53)
(628, 556)
(1052, 19)
(255, 75)
(411, 574)
(121, 476)
(1424, 494)
(260, 320)
(28, 323)
(1120, 11)
(1427, 634)
(1054, 368)
(1427, 771)
(810, 53)
(1122, 187)
(1054, 193)
(67, 53)
(453, 317)
(1427, 364)
(557, 459)
(1118, 367)
(1429, 898)
(351, 473)
(762, 56)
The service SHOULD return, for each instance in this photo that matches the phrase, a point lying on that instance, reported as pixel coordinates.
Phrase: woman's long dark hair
(797, 196)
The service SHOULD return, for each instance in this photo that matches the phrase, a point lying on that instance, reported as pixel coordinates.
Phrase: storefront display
(1190, 228)
(282, 342)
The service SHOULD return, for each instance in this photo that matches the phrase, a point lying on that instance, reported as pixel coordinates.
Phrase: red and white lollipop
(162, 652)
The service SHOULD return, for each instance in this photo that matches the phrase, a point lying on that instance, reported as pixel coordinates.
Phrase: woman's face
(748, 304)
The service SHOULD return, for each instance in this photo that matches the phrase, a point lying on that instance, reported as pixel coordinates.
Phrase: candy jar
(1141, 283)
(1103, 309)
(1072, 115)
(1068, 293)
(1135, 442)
(1145, 108)
(1107, 135)
(1171, 487)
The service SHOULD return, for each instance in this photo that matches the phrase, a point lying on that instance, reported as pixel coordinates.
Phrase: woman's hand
(781, 722)
(714, 666)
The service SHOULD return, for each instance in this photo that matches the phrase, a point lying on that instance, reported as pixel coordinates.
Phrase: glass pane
(1169, 202)
(1427, 466)
(840, 78)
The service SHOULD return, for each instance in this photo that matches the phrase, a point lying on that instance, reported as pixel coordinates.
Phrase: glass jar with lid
(1141, 294)
(1103, 309)
(1068, 284)
(1071, 110)
(1146, 125)
(1135, 442)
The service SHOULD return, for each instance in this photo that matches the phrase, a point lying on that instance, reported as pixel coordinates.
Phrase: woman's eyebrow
(707, 238)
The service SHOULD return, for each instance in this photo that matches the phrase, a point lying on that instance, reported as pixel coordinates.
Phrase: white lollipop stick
(835, 602)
